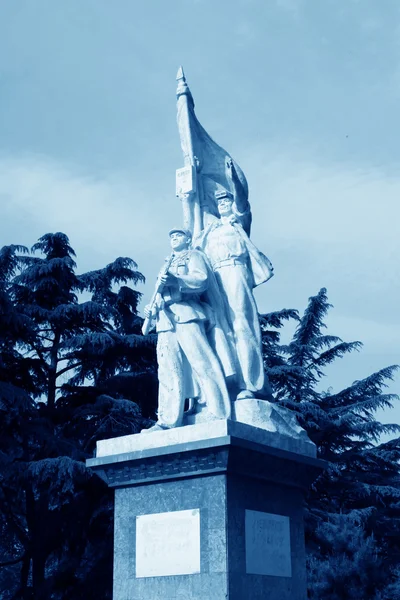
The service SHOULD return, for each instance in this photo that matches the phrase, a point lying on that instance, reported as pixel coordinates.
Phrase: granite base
(247, 494)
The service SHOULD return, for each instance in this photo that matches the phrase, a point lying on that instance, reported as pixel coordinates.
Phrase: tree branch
(43, 337)
(78, 364)
(13, 561)
(40, 355)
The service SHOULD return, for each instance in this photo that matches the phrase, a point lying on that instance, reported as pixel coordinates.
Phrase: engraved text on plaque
(168, 543)
(267, 544)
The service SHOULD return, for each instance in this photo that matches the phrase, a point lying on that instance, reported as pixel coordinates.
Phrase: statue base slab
(208, 432)
(256, 412)
(212, 511)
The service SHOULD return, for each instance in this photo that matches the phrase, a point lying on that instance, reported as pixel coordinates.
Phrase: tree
(62, 355)
(16, 407)
(362, 478)
(74, 369)
(348, 564)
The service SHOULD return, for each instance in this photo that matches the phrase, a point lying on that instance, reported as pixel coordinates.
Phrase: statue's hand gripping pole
(157, 290)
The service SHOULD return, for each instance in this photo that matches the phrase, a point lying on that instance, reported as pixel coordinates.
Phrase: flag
(200, 151)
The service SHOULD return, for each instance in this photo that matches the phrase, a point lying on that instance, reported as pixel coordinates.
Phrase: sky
(304, 94)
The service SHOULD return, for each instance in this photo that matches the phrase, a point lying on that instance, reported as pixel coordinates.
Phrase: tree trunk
(52, 382)
(35, 512)
(38, 575)
(26, 564)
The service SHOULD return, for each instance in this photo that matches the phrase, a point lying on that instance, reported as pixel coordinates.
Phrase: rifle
(157, 290)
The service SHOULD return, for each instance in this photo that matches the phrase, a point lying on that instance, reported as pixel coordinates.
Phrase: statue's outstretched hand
(230, 168)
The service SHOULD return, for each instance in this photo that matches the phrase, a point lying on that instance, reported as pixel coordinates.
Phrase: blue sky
(303, 93)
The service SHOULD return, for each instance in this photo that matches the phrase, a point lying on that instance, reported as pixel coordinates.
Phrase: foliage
(64, 339)
(348, 564)
(362, 475)
(74, 368)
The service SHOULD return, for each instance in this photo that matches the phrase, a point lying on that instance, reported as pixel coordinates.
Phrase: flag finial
(180, 74)
(183, 88)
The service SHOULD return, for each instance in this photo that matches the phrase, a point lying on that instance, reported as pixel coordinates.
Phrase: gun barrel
(158, 290)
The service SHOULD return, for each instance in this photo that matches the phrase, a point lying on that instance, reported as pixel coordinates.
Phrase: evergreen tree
(56, 515)
(74, 369)
(347, 565)
(16, 409)
(362, 478)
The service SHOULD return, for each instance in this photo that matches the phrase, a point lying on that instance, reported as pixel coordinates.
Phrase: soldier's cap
(180, 230)
(219, 194)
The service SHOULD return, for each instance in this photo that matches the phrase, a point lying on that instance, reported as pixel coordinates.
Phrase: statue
(203, 308)
(188, 328)
(238, 267)
(218, 212)
(206, 161)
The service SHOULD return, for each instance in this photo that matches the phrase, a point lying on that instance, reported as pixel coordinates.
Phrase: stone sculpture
(214, 510)
(218, 212)
(188, 366)
(208, 161)
(209, 338)
(238, 267)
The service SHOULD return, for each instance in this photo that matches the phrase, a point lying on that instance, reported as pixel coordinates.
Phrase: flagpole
(193, 218)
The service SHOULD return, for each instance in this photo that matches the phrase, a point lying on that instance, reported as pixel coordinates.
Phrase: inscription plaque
(168, 543)
(185, 180)
(267, 544)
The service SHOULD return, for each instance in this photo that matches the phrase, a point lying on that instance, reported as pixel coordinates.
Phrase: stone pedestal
(211, 511)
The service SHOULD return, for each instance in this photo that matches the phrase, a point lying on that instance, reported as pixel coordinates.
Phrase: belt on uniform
(228, 262)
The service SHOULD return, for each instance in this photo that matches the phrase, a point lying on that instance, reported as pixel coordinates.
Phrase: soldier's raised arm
(241, 204)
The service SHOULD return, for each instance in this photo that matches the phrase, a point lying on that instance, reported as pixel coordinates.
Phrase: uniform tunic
(227, 249)
(183, 352)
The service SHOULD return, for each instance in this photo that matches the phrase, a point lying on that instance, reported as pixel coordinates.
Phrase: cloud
(104, 217)
(329, 225)
(326, 204)
(290, 6)
(335, 226)
(378, 338)
(245, 33)
(321, 225)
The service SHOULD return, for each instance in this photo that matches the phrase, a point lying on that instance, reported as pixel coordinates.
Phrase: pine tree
(362, 478)
(348, 564)
(56, 514)
(16, 409)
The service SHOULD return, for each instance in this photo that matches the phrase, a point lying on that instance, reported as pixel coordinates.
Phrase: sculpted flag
(208, 158)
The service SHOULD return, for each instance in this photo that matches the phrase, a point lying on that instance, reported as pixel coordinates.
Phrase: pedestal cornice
(196, 450)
